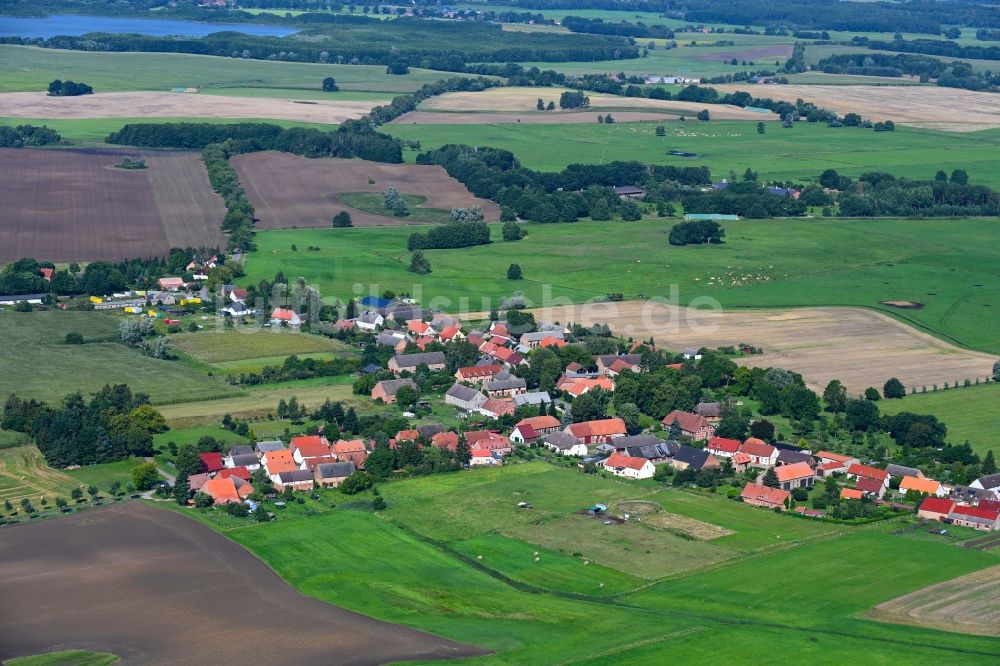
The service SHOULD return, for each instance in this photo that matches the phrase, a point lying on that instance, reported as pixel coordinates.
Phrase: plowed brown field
(291, 191)
(72, 205)
(155, 587)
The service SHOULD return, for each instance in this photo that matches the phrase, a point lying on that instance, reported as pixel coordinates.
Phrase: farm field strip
(968, 604)
(75, 206)
(24, 473)
(166, 105)
(287, 190)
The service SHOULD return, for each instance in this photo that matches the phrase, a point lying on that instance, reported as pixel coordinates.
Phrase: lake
(59, 24)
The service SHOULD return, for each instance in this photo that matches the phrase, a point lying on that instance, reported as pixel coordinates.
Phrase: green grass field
(66, 658)
(97, 129)
(438, 559)
(373, 202)
(239, 345)
(970, 413)
(799, 154)
(948, 265)
(31, 68)
(37, 365)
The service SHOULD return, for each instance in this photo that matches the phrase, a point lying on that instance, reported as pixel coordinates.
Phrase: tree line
(956, 74)
(618, 28)
(27, 135)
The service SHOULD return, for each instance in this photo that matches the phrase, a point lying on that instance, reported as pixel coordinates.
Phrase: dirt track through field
(291, 191)
(948, 109)
(523, 100)
(859, 347)
(155, 587)
(178, 105)
(73, 205)
(968, 604)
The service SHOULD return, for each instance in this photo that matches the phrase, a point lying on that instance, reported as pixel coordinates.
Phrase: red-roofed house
(602, 431)
(497, 407)
(692, 425)
(831, 468)
(630, 467)
(452, 334)
(446, 440)
(859, 471)
(935, 508)
(47, 273)
(171, 283)
(309, 446)
(418, 327)
(531, 428)
(211, 461)
(761, 453)
(796, 475)
(551, 341)
(238, 472)
(723, 447)
(985, 520)
(827, 457)
(484, 457)
(925, 486)
(577, 386)
(478, 373)
(851, 494)
(769, 498)
(870, 486)
(286, 317)
(490, 441)
(741, 461)
(227, 490)
(276, 462)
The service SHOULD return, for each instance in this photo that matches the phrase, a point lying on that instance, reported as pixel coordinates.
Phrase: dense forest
(114, 425)
(27, 135)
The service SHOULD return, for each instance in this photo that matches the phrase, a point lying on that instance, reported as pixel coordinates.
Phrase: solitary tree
(330, 85)
(959, 177)
(894, 389)
(540, 105)
(760, 128)
(835, 396)
(661, 130)
(514, 272)
(771, 478)
(419, 263)
(342, 220)
(871, 394)
(703, 115)
(512, 232)
(551, 106)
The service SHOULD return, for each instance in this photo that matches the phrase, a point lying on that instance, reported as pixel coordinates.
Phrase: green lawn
(66, 658)
(97, 129)
(37, 365)
(105, 473)
(971, 413)
(806, 598)
(239, 345)
(948, 265)
(799, 154)
(31, 68)
(373, 202)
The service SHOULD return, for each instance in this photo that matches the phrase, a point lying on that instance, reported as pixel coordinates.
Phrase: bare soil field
(948, 109)
(73, 205)
(166, 105)
(859, 347)
(155, 587)
(291, 191)
(968, 604)
(522, 100)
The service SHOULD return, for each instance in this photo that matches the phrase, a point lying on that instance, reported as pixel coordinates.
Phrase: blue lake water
(58, 24)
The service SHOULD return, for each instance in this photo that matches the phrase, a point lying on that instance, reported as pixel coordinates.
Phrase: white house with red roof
(479, 457)
(478, 374)
(602, 431)
(285, 317)
(763, 496)
(761, 453)
(629, 467)
(859, 471)
(723, 447)
(796, 475)
(533, 427)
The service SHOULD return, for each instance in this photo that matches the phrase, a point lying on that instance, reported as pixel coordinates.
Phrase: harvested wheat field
(968, 604)
(291, 191)
(177, 105)
(155, 587)
(536, 118)
(859, 347)
(523, 100)
(73, 205)
(949, 109)
(652, 514)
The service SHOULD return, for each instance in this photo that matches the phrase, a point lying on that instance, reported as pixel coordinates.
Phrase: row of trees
(114, 425)
(696, 232)
(599, 26)
(956, 74)
(59, 88)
